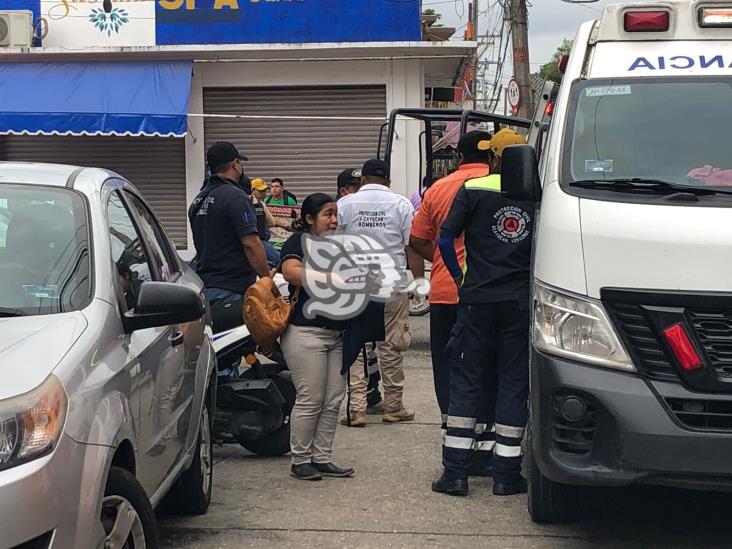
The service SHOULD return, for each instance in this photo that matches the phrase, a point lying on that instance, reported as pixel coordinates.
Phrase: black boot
(517, 486)
(444, 485)
(332, 470)
(305, 471)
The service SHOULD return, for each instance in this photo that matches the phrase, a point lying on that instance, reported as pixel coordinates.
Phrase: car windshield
(44, 251)
(672, 130)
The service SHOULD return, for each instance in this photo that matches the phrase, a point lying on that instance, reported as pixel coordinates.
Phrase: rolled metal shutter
(156, 166)
(307, 154)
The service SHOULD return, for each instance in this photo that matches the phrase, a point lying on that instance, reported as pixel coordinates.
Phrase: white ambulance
(631, 369)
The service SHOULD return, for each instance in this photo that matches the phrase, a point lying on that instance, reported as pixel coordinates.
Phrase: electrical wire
(460, 12)
(502, 29)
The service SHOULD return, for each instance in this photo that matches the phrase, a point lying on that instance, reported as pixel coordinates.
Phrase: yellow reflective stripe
(488, 183)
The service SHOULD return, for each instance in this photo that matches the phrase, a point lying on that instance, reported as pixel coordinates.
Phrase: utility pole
(520, 41)
(474, 32)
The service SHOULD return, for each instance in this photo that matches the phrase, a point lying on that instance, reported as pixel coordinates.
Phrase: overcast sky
(549, 22)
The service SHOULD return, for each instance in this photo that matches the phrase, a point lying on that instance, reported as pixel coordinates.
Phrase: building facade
(303, 87)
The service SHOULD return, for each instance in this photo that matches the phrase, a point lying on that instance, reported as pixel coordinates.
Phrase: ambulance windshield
(674, 130)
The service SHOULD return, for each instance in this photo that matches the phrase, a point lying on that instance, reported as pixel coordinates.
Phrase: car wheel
(549, 502)
(192, 493)
(127, 515)
(276, 443)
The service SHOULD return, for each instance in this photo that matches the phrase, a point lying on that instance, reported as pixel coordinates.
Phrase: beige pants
(391, 359)
(314, 356)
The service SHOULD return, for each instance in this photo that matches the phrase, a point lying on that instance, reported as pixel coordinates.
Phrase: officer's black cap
(351, 176)
(222, 152)
(376, 168)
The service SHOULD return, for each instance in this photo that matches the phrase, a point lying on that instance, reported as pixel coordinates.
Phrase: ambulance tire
(549, 502)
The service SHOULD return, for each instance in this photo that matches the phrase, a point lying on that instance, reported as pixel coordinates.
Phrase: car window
(44, 251)
(128, 253)
(163, 260)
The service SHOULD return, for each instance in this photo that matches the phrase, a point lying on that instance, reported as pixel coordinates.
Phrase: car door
(175, 385)
(150, 351)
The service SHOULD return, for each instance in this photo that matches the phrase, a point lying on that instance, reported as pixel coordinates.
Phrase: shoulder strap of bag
(296, 296)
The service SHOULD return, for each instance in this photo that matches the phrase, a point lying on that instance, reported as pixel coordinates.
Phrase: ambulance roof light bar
(715, 17)
(647, 21)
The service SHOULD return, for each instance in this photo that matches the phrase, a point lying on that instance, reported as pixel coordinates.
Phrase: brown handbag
(266, 313)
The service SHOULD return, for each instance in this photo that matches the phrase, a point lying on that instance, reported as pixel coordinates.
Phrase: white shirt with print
(377, 210)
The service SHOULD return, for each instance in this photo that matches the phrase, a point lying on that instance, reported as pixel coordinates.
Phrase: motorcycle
(254, 396)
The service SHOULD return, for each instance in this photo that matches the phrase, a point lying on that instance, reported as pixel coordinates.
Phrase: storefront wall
(402, 79)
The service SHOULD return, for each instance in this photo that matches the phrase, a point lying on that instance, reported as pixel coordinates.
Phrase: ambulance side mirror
(520, 174)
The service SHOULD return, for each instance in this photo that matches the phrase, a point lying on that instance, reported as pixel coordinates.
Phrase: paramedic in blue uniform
(492, 331)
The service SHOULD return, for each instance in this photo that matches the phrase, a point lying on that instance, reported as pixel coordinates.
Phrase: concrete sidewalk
(389, 502)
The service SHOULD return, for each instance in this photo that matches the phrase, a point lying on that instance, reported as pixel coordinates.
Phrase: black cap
(221, 153)
(376, 167)
(468, 143)
(351, 176)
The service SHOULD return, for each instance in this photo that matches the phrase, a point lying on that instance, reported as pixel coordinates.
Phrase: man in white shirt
(377, 211)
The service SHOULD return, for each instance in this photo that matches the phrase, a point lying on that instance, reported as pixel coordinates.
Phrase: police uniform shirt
(220, 215)
(498, 238)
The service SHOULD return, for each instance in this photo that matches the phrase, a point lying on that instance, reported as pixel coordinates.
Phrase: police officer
(229, 253)
(493, 323)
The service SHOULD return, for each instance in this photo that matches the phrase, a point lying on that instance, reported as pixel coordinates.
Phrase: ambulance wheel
(277, 443)
(549, 502)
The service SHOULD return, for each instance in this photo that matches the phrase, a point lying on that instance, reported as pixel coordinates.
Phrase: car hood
(641, 246)
(32, 346)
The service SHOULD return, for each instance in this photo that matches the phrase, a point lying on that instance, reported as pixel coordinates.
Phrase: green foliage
(550, 71)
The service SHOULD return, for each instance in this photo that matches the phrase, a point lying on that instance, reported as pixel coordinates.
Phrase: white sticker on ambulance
(602, 91)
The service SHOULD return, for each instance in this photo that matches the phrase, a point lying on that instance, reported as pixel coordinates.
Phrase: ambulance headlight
(576, 327)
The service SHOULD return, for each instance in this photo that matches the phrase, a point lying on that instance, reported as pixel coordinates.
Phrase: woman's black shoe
(509, 488)
(332, 470)
(305, 471)
(451, 487)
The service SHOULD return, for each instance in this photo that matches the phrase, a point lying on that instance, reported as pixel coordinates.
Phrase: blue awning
(95, 98)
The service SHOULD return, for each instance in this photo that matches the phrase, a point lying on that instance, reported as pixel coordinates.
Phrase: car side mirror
(520, 174)
(162, 304)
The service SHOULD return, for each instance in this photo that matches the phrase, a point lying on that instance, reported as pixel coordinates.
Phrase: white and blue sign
(84, 23)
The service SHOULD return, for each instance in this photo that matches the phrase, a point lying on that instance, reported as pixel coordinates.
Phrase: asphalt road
(389, 503)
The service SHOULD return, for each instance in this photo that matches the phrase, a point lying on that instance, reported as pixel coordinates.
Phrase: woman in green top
(280, 197)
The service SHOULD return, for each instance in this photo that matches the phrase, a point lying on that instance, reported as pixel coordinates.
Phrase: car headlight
(30, 424)
(576, 327)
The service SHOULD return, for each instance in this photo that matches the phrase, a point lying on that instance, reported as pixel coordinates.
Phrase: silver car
(107, 373)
